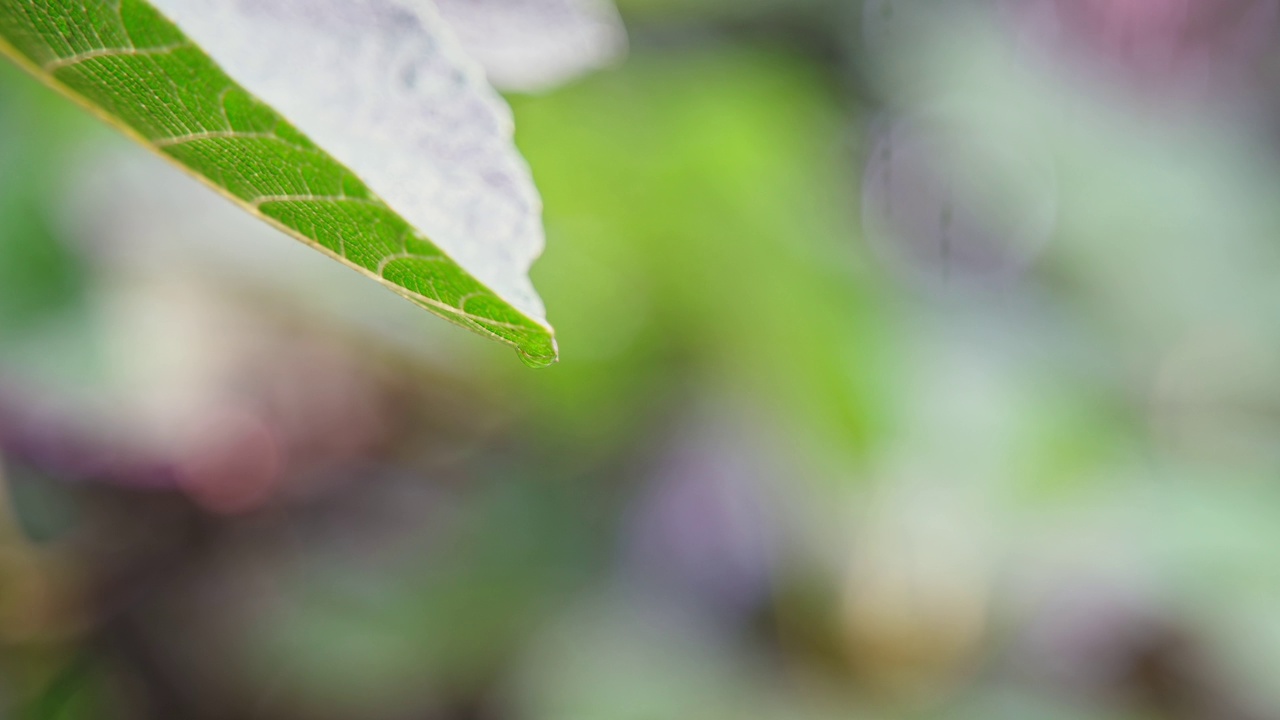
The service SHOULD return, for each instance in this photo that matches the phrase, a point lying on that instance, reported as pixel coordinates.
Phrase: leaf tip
(540, 355)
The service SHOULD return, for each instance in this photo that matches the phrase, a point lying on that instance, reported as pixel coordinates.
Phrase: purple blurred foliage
(704, 527)
(58, 443)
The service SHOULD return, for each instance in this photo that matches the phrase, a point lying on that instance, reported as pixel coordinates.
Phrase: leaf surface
(356, 126)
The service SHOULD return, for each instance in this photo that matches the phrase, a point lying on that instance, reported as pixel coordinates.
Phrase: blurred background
(920, 360)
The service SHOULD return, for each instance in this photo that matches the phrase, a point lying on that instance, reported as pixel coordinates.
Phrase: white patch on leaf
(386, 89)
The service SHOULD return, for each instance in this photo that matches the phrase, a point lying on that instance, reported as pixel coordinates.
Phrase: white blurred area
(1105, 175)
(533, 46)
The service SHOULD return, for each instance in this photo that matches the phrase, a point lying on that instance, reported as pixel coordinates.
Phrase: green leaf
(356, 126)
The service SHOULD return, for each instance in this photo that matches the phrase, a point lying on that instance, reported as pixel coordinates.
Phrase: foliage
(136, 69)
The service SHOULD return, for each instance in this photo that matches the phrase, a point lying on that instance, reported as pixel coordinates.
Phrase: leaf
(356, 126)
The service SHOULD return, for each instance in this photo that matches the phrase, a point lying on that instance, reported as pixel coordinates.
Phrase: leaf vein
(70, 60)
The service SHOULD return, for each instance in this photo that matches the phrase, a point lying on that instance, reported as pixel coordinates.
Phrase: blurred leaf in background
(705, 193)
(42, 277)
